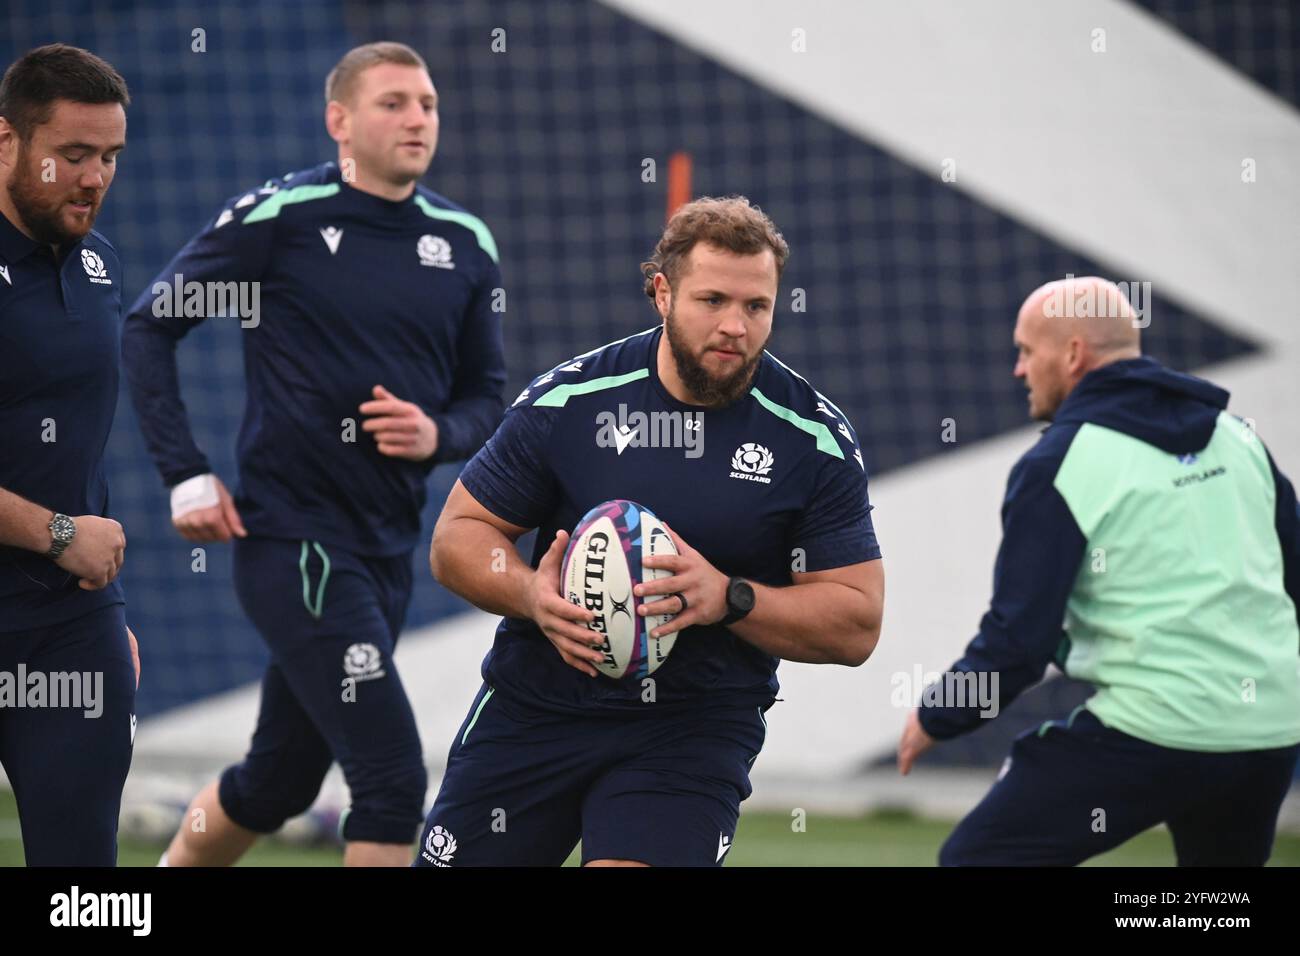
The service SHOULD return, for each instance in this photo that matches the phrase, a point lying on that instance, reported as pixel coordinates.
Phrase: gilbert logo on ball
(601, 566)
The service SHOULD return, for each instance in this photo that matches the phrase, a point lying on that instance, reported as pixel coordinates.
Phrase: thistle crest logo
(752, 462)
(439, 847)
(94, 266)
(363, 662)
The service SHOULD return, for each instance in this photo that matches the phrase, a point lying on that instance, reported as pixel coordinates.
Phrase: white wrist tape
(193, 494)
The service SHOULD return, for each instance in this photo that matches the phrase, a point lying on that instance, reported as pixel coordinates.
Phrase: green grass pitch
(762, 839)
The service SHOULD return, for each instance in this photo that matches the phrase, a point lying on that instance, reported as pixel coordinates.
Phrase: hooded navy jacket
(1043, 546)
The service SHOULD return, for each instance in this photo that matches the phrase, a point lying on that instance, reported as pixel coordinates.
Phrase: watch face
(742, 595)
(62, 528)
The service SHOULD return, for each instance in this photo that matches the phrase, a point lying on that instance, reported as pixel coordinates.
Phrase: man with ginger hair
(1157, 527)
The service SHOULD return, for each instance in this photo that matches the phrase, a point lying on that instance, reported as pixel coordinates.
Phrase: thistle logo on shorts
(439, 847)
(94, 267)
(434, 251)
(752, 462)
(363, 662)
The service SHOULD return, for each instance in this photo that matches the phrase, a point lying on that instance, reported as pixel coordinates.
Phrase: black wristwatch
(62, 530)
(740, 600)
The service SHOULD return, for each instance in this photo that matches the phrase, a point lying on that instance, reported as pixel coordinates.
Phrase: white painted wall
(1132, 156)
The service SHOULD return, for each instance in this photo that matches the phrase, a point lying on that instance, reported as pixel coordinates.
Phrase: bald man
(1152, 548)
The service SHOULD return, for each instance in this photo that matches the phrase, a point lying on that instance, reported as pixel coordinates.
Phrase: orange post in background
(679, 182)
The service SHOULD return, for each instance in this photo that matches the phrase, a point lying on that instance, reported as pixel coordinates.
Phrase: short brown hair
(57, 71)
(731, 223)
(343, 78)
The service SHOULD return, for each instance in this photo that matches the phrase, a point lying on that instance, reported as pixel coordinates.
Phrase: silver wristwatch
(62, 529)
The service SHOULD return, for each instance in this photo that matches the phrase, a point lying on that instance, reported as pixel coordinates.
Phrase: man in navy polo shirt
(373, 352)
(68, 668)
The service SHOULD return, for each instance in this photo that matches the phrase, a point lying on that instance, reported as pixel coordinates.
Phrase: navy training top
(773, 483)
(353, 291)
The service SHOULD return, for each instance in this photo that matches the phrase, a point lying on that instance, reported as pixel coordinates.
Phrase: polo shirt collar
(13, 244)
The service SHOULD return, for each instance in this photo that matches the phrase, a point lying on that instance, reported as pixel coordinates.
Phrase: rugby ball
(601, 565)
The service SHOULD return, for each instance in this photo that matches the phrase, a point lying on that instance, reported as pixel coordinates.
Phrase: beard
(709, 389)
(41, 217)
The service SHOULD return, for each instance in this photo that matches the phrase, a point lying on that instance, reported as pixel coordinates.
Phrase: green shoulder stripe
(473, 223)
(558, 396)
(825, 440)
(270, 207)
